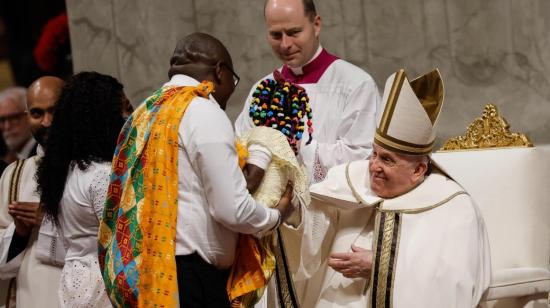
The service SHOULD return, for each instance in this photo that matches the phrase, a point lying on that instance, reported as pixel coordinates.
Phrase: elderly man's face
(392, 174)
(14, 124)
(291, 34)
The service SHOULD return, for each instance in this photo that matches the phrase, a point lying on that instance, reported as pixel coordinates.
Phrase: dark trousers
(201, 284)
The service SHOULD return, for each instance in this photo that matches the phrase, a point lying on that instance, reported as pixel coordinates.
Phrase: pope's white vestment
(430, 244)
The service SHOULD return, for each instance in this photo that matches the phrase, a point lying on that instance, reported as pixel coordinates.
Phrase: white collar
(40, 151)
(180, 80)
(298, 70)
(26, 150)
(435, 190)
(348, 186)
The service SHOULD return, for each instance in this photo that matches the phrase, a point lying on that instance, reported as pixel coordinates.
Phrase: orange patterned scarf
(138, 231)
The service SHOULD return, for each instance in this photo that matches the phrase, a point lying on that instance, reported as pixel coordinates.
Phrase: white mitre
(408, 124)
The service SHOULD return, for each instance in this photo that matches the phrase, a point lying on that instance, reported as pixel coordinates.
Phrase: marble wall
(487, 50)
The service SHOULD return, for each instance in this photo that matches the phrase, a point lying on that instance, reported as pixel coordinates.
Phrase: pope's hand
(354, 264)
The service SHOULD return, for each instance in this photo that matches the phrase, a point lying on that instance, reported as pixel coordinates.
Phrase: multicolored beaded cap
(282, 106)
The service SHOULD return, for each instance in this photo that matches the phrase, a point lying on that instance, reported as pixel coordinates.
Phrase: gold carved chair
(509, 179)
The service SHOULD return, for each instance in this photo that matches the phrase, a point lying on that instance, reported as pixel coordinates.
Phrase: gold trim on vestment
(417, 210)
(404, 143)
(385, 253)
(373, 274)
(424, 208)
(388, 144)
(14, 181)
(353, 191)
(385, 259)
(392, 100)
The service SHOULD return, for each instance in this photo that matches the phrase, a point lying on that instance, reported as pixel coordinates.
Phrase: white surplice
(440, 255)
(37, 281)
(344, 103)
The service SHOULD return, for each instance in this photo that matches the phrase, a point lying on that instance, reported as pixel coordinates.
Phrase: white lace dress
(81, 209)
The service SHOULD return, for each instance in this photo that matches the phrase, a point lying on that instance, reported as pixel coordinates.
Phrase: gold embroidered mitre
(409, 122)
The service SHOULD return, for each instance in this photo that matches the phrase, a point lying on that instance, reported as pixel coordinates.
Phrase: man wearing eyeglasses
(14, 123)
(30, 249)
(213, 204)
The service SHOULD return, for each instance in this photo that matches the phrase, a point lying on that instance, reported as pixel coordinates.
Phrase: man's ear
(317, 25)
(218, 72)
(420, 169)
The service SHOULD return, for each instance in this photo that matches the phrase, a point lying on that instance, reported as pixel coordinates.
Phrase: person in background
(25, 253)
(14, 123)
(73, 177)
(3, 155)
(345, 98)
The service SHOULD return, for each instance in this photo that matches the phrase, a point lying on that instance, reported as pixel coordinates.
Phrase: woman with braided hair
(73, 177)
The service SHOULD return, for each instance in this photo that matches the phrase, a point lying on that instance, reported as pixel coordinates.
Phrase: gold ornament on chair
(489, 131)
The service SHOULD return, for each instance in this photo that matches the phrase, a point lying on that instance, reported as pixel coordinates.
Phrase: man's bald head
(309, 7)
(204, 58)
(47, 86)
(42, 97)
(198, 48)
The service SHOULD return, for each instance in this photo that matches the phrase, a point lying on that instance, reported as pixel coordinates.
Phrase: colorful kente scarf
(138, 231)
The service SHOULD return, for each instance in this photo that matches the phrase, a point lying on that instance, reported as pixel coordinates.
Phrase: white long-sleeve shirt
(213, 202)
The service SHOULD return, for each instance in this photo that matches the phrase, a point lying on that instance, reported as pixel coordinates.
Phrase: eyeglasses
(236, 77)
(13, 118)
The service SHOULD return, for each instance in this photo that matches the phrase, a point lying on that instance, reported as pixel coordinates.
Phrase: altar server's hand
(285, 206)
(26, 215)
(354, 264)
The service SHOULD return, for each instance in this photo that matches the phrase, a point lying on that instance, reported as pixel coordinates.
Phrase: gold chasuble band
(385, 254)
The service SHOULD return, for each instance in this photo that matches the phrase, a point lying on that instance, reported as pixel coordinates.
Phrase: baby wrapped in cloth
(267, 154)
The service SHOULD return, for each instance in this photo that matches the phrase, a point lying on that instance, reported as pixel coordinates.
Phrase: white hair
(15, 94)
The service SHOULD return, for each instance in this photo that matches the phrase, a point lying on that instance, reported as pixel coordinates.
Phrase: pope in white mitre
(395, 230)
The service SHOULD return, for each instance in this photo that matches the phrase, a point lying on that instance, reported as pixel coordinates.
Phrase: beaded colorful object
(283, 106)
